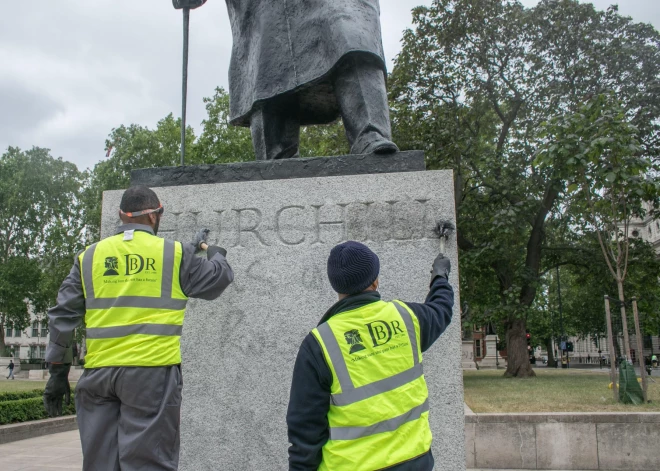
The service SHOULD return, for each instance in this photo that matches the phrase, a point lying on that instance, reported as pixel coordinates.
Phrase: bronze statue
(300, 62)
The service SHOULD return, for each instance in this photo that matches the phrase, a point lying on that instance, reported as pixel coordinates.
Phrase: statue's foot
(377, 146)
(292, 152)
(385, 147)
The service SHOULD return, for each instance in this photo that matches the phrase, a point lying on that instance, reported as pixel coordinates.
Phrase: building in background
(30, 343)
(647, 229)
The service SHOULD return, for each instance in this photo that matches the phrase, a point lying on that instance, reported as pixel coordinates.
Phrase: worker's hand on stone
(199, 241)
(441, 267)
(57, 389)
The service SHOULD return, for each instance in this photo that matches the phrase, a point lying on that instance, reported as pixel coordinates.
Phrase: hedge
(15, 396)
(23, 410)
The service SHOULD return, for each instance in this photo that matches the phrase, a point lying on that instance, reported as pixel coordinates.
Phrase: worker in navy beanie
(352, 267)
(328, 438)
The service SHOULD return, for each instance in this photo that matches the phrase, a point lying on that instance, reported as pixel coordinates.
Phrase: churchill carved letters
(308, 224)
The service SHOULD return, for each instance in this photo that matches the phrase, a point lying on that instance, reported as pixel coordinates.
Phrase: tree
(323, 140)
(40, 209)
(597, 151)
(473, 83)
(129, 148)
(221, 142)
(133, 147)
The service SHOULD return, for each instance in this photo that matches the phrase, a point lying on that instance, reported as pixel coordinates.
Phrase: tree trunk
(552, 362)
(2, 339)
(518, 357)
(624, 320)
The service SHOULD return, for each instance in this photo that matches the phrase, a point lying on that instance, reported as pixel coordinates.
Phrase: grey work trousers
(360, 90)
(129, 418)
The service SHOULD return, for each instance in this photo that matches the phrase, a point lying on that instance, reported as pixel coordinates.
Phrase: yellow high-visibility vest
(134, 301)
(378, 414)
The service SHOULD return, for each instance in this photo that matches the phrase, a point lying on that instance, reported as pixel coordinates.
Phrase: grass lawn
(551, 391)
(17, 385)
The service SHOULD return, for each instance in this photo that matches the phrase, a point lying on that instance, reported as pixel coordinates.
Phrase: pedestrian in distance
(131, 291)
(10, 367)
(654, 360)
(358, 397)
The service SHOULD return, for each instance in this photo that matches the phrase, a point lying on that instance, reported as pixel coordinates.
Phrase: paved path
(57, 452)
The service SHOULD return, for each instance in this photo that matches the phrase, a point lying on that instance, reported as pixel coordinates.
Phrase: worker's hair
(137, 198)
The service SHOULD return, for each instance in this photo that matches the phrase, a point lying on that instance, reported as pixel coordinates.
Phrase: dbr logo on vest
(111, 266)
(136, 263)
(380, 331)
(354, 339)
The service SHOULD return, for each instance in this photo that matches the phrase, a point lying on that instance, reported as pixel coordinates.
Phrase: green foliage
(132, 147)
(597, 152)
(319, 141)
(40, 230)
(586, 281)
(20, 277)
(472, 86)
(221, 142)
(15, 396)
(23, 410)
(610, 181)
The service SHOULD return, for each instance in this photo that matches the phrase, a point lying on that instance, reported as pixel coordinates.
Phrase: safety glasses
(134, 214)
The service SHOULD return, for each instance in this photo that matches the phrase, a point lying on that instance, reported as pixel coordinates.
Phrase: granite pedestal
(239, 351)
(467, 355)
(490, 361)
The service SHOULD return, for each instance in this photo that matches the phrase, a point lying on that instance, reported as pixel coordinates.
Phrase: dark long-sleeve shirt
(309, 402)
(199, 278)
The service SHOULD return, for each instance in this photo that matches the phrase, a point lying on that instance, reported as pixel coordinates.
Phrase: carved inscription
(313, 224)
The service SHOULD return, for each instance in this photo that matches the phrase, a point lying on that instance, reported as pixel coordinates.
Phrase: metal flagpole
(186, 6)
(184, 91)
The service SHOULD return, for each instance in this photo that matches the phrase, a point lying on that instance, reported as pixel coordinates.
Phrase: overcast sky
(74, 69)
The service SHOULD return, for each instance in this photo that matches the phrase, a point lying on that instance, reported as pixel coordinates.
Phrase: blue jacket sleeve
(435, 314)
(309, 401)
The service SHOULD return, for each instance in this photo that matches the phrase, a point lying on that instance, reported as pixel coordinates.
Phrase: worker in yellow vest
(130, 290)
(358, 399)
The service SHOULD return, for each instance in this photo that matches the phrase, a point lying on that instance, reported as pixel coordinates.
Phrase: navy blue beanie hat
(352, 267)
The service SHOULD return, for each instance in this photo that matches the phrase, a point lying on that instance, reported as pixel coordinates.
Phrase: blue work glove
(56, 388)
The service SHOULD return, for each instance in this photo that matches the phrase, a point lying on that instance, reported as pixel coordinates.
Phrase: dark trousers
(360, 90)
(129, 418)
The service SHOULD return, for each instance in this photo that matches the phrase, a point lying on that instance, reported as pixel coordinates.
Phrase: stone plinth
(239, 351)
(37, 374)
(490, 361)
(310, 167)
(467, 355)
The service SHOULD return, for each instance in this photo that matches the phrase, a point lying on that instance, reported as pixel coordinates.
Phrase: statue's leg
(276, 129)
(362, 97)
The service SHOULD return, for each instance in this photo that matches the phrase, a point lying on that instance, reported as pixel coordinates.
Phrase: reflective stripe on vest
(163, 302)
(379, 416)
(350, 393)
(134, 303)
(389, 425)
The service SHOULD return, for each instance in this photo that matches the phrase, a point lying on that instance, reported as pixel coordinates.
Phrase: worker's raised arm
(435, 313)
(65, 316)
(204, 278)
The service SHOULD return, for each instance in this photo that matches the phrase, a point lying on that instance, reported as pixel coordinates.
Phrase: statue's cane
(186, 5)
